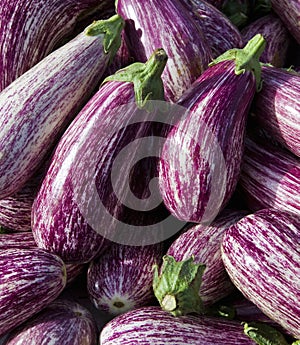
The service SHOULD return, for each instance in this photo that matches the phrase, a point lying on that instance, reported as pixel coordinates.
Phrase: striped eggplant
(64, 220)
(269, 177)
(220, 33)
(277, 106)
(30, 30)
(262, 257)
(30, 280)
(37, 106)
(186, 47)
(276, 35)
(61, 322)
(204, 243)
(288, 11)
(153, 326)
(121, 279)
(201, 158)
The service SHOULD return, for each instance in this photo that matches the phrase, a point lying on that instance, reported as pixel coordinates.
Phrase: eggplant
(61, 322)
(277, 107)
(32, 30)
(204, 244)
(17, 240)
(269, 177)
(121, 279)
(217, 29)
(37, 107)
(30, 280)
(288, 11)
(201, 158)
(276, 35)
(153, 326)
(261, 255)
(67, 222)
(186, 47)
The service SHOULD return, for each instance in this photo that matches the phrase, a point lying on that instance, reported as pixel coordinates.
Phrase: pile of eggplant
(150, 172)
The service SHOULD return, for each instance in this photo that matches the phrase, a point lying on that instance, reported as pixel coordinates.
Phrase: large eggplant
(77, 204)
(30, 280)
(61, 322)
(153, 326)
(151, 25)
(30, 30)
(220, 33)
(277, 106)
(262, 257)
(121, 279)
(201, 158)
(269, 177)
(37, 106)
(276, 35)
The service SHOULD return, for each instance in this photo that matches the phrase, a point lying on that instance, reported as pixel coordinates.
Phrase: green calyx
(146, 78)
(297, 342)
(112, 29)
(264, 334)
(247, 58)
(177, 286)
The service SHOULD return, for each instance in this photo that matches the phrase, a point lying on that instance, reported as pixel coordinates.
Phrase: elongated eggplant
(269, 177)
(31, 30)
(261, 255)
(61, 322)
(218, 30)
(288, 11)
(77, 204)
(151, 325)
(201, 158)
(186, 47)
(17, 240)
(30, 280)
(277, 107)
(37, 106)
(276, 35)
(204, 244)
(121, 279)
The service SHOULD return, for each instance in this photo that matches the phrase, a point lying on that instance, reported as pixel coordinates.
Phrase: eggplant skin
(153, 326)
(61, 322)
(30, 280)
(30, 30)
(261, 255)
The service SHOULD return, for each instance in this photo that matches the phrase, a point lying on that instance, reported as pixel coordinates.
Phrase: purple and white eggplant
(276, 35)
(186, 47)
(24, 240)
(277, 106)
(201, 158)
(151, 325)
(121, 279)
(37, 107)
(261, 255)
(269, 177)
(31, 30)
(61, 322)
(30, 280)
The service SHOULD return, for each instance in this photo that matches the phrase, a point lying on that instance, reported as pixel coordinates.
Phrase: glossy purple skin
(288, 11)
(17, 240)
(62, 322)
(277, 107)
(276, 35)
(121, 279)
(152, 325)
(30, 280)
(261, 255)
(218, 30)
(37, 107)
(186, 47)
(30, 30)
(270, 178)
(204, 243)
(218, 105)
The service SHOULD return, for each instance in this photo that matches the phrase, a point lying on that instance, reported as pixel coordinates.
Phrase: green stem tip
(264, 334)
